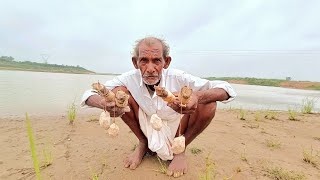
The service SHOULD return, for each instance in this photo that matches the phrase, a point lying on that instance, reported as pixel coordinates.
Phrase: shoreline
(31, 70)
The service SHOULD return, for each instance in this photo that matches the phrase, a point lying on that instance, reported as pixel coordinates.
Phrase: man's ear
(135, 62)
(167, 62)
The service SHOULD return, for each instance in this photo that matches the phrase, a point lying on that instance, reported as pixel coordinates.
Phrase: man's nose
(150, 68)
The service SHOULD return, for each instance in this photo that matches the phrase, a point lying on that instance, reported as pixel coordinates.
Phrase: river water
(52, 93)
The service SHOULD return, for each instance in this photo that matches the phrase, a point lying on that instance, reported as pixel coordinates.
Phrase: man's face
(151, 62)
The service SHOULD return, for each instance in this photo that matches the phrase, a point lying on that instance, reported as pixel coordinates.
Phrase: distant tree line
(6, 58)
(8, 62)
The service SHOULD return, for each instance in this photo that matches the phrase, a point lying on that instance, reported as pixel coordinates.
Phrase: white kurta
(173, 80)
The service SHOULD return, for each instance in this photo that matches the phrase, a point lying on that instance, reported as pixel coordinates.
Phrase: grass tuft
(307, 106)
(94, 175)
(257, 116)
(72, 113)
(209, 172)
(163, 168)
(48, 159)
(195, 150)
(310, 158)
(292, 115)
(242, 114)
(273, 144)
(271, 115)
(33, 148)
(279, 173)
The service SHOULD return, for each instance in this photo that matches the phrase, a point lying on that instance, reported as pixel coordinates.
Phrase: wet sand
(238, 148)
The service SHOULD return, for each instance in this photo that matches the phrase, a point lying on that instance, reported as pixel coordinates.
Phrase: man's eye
(143, 60)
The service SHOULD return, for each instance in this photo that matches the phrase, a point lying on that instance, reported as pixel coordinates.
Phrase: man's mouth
(150, 76)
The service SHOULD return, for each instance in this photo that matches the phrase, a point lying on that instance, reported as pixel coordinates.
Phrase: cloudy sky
(246, 38)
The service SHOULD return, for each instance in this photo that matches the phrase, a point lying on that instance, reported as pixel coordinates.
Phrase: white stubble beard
(150, 83)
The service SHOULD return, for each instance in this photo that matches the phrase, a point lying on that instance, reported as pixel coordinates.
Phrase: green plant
(310, 157)
(307, 105)
(94, 175)
(163, 168)
(257, 116)
(273, 144)
(242, 114)
(47, 154)
(195, 150)
(209, 172)
(292, 114)
(279, 173)
(33, 148)
(72, 113)
(272, 115)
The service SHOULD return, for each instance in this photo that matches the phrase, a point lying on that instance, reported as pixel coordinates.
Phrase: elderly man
(151, 61)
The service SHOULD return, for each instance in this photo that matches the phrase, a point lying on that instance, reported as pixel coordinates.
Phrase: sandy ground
(238, 148)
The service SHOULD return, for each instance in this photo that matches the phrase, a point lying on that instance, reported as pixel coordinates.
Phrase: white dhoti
(160, 141)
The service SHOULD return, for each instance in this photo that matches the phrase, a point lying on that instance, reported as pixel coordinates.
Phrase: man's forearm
(212, 95)
(95, 101)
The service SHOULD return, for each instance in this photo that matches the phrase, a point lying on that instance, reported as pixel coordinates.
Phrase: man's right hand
(114, 110)
(99, 102)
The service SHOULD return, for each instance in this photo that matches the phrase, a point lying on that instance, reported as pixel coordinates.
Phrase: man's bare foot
(178, 165)
(135, 158)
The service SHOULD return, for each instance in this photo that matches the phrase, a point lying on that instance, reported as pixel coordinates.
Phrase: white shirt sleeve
(85, 96)
(199, 84)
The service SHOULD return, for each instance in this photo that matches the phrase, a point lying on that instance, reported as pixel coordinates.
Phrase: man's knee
(132, 102)
(207, 111)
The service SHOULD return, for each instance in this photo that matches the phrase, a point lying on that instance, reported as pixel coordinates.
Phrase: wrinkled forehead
(150, 48)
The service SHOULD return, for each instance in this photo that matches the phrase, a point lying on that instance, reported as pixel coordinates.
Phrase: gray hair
(149, 41)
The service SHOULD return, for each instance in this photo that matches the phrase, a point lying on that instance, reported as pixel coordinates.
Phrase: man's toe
(133, 166)
(169, 172)
(126, 163)
(176, 174)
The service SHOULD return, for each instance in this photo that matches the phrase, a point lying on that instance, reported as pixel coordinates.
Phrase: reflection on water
(52, 93)
(40, 92)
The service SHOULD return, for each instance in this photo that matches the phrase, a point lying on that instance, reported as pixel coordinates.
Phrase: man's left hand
(190, 107)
